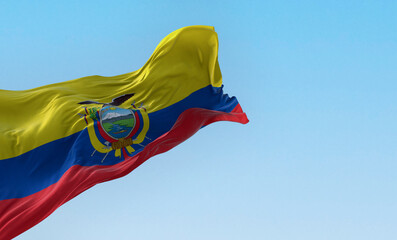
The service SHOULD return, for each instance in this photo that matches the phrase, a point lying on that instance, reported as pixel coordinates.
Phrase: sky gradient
(317, 80)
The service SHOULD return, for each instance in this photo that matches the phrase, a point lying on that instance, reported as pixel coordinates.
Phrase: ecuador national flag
(58, 140)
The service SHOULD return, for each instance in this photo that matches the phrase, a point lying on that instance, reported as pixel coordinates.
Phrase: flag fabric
(58, 140)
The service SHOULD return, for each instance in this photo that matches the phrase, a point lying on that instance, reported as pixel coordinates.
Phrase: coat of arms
(114, 128)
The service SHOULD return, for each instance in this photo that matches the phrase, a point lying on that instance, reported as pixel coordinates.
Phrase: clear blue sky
(318, 80)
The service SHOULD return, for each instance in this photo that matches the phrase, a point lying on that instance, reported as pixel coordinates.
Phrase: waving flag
(58, 140)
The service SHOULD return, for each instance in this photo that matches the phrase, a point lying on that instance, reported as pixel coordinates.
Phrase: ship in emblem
(119, 128)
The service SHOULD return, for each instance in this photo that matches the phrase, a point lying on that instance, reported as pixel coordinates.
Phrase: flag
(58, 140)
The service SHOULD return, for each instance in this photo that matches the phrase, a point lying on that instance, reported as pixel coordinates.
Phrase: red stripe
(19, 214)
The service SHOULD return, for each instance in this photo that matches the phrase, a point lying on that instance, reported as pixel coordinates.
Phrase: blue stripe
(43, 166)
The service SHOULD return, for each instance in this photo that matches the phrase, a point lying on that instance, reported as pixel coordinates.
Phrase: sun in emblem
(114, 128)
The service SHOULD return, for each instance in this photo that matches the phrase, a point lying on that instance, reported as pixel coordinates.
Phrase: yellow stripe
(184, 61)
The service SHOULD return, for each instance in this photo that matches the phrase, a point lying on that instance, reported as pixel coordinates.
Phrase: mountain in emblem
(113, 115)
